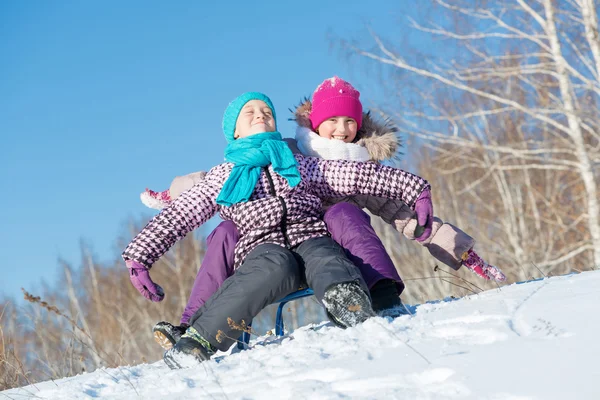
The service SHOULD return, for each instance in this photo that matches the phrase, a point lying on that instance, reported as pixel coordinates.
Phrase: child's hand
(140, 279)
(494, 273)
(424, 211)
(156, 200)
(477, 265)
(488, 272)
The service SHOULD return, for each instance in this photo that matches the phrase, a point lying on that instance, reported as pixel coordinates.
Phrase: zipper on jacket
(283, 224)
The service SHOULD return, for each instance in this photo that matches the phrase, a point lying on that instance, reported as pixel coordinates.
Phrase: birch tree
(519, 105)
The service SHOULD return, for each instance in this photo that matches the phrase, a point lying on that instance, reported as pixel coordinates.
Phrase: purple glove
(424, 211)
(140, 278)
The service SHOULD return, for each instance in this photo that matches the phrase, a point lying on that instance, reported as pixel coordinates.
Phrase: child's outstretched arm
(447, 243)
(341, 178)
(452, 246)
(190, 210)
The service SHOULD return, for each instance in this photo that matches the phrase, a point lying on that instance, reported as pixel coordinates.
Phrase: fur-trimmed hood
(380, 138)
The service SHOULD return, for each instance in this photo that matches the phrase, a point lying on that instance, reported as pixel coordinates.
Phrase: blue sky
(99, 100)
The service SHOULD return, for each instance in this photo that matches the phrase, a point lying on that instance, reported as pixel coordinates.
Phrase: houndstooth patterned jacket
(276, 212)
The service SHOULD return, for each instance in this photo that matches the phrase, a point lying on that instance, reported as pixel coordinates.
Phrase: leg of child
(351, 228)
(269, 273)
(336, 281)
(217, 266)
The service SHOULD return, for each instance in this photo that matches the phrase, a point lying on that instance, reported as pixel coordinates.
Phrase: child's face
(255, 117)
(338, 128)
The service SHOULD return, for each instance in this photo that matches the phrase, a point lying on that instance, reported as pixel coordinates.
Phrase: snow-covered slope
(537, 340)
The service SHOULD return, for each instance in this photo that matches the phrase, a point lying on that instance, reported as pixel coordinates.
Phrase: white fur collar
(313, 145)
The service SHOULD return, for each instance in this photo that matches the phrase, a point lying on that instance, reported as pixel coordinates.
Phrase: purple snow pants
(349, 226)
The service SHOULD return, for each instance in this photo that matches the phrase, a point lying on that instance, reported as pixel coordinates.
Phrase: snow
(535, 340)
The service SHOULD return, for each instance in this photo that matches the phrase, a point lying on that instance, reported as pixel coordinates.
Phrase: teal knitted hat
(233, 111)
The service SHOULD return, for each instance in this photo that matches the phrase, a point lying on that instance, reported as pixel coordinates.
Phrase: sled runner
(279, 327)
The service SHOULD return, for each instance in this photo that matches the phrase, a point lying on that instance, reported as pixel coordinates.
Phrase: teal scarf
(248, 155)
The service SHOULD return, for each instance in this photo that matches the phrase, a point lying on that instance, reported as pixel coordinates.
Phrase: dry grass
(12, 371)
(93, 317)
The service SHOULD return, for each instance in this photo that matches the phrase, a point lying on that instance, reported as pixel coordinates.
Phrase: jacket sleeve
(186, 213)
(339, 178)
(182, 183)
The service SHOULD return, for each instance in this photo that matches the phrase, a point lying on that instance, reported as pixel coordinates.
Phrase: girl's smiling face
(338, 128)
(255, 117)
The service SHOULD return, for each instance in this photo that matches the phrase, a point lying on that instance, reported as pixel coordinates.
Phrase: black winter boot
(190, 350)
(384, 294)
(166, 334)
(347, 304)
(386, 300)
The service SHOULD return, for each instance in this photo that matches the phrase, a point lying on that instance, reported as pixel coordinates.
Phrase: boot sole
(162, 340)
(349, 315)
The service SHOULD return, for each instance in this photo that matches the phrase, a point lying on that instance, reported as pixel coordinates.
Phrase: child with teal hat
(283, 242)
(250, 153)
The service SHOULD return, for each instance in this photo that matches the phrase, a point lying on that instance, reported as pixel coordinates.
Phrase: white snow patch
(529, 341)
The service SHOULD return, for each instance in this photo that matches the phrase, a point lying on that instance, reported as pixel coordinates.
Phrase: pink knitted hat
(335, 98)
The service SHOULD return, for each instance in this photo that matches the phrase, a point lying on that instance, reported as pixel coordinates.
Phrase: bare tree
(512, 122)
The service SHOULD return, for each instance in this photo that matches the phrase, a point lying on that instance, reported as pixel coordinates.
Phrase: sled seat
(279, 327)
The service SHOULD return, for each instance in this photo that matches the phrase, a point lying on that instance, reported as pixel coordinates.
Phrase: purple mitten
(140, 278)
(424, 211)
